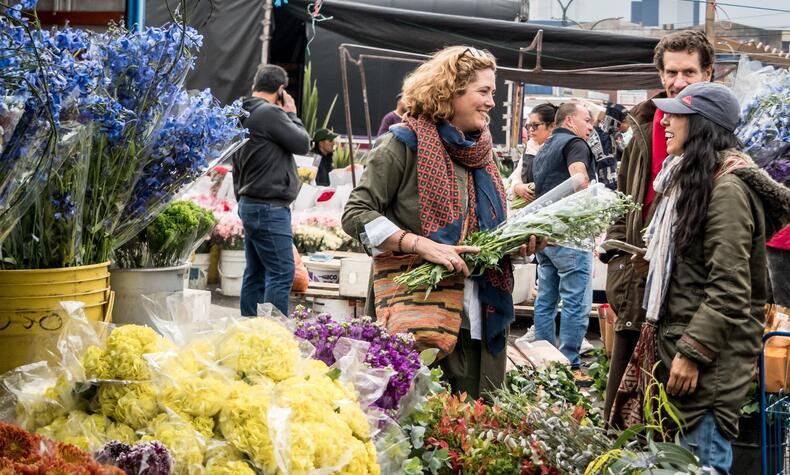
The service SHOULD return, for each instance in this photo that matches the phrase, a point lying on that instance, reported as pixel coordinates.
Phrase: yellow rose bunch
(306, 174)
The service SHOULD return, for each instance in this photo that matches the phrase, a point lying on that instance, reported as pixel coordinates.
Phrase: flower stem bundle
(573, 221)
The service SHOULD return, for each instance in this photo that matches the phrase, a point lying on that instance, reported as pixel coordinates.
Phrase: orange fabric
(433, 321)
(301, 279)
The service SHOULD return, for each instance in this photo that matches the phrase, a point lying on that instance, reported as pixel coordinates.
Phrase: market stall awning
(569, 57)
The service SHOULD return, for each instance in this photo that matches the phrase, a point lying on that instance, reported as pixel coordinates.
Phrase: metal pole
(347, 109)
(365, 102)
(710, 18)
(268, 7)
(135, 15)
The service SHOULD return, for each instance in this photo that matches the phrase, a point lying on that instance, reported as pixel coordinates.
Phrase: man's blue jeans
(564, 273)
(268, 242)
(707, 443)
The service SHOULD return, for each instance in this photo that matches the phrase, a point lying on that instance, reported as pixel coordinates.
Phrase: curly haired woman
(429, 183)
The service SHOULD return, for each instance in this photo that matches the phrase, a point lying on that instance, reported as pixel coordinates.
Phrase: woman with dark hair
(706, 283)
(539, 127)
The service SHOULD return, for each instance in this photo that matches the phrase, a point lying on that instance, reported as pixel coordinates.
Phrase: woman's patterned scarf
(443, 220)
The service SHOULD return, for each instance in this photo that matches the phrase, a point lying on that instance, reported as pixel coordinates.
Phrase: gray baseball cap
(713, 101)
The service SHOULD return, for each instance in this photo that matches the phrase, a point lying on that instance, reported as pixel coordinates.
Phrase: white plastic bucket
(231, 272)
(201, 261)
(198, 271)
(327, 272)
(340, 309)
(131, 284)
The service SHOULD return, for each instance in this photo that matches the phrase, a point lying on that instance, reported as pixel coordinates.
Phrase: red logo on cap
(686, 99)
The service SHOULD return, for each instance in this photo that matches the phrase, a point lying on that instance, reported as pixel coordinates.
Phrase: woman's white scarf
(660, 242)
(659, 235)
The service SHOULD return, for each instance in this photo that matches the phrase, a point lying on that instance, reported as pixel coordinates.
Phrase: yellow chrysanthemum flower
(243, 423)
(86, 431)
(185, 444)
(198, 397)
(236, 467)
(131, 404)
(260, 346)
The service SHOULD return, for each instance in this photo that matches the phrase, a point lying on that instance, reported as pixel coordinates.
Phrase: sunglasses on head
(475, 53)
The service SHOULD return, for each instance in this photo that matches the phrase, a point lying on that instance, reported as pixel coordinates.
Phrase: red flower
(72, 454)
(17, 444)
(434, 442)
(579, 413)
(59, 467)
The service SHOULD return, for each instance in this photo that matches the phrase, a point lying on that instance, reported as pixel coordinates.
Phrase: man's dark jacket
(264, 169)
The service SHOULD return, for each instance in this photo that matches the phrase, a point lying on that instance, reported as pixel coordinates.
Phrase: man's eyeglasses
(534, 125)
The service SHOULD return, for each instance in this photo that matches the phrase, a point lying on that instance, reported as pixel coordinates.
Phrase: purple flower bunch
(145, 458)
(392, 351)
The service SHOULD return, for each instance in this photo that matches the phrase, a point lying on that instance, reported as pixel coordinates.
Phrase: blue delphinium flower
(192, 139)
(765, 124)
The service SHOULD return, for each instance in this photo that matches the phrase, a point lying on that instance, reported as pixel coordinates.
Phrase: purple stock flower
(145, 458)
(392, 351)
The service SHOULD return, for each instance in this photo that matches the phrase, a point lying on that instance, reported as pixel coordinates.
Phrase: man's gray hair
(566, 110)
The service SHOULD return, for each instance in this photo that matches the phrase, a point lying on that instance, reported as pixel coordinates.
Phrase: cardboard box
(540, 353)
(775, 369)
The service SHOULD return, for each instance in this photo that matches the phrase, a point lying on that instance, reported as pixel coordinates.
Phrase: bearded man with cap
(323, 149)
(706, 283)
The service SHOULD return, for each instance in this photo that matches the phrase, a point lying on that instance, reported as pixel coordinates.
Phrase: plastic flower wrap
(234, 396)
(185, 444)
(134, 404)
(87, 431)
(198, 135)
(42, 85)
(765, 117)
(386, 351)
(122, 358)
(575, 220)
(169, 240)
(317, 424)
(243, 423)
(145, 458)
(306, 174)
(259, 347)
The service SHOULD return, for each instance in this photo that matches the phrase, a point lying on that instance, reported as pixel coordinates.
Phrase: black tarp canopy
(569, 57)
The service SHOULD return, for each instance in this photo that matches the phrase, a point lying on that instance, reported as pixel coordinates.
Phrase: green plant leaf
(428, 357)
(629, 435)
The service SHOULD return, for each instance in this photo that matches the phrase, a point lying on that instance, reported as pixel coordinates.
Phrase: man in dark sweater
(565, 273)
(323, 149)
(266, 183)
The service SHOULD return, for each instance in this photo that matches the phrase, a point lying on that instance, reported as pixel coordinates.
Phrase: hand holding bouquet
(573, 221)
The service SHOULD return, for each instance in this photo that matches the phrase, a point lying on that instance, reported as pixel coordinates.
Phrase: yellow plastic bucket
(29, 303)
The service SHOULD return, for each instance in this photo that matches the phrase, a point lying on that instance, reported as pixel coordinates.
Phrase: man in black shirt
(565, 273)
(265, 182)
(323, 149)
